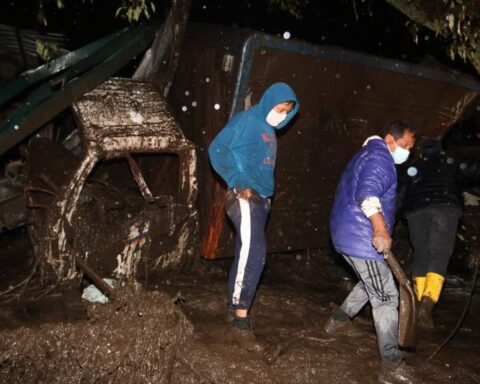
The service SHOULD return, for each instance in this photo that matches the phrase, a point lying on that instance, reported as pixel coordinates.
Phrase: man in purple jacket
(361, 225)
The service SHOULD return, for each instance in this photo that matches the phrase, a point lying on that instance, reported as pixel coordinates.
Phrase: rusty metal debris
(120, 120)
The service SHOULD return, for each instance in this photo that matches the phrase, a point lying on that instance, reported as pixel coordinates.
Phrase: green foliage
(292, 7)
(457, 21)
(133, 10)
(457, 24)
(45, 50)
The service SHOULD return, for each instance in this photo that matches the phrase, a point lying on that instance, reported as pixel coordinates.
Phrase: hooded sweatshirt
(244, 151)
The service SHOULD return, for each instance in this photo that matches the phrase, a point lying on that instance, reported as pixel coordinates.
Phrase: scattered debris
(471, 199)
(92, 294)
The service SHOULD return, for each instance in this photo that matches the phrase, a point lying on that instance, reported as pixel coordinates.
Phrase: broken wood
(161, 60)
(51, 184)
(97, 280)
(139, 179)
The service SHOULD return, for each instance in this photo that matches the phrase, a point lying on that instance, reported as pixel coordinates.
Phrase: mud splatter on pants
(376, 284)
(249, 218)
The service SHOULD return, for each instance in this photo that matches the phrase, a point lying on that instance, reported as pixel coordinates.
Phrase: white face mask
(400, 155)
(274, 118)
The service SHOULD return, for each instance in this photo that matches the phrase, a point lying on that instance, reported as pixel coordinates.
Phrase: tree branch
(458, 22)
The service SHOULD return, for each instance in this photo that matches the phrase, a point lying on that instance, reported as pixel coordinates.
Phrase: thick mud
(177, 331)
(131, 341)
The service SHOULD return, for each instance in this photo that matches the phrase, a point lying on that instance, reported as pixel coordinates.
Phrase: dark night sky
(370, 26)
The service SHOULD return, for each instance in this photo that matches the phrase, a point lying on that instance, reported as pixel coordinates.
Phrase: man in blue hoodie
(361, 225)
(244, 154)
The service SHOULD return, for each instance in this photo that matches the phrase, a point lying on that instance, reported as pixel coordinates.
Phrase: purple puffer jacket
(371, 172)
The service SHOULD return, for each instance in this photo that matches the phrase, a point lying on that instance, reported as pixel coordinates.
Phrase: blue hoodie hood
(244, 151)
(275, 94)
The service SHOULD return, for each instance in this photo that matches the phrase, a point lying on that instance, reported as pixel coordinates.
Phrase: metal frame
(260, 40)
(65, 80)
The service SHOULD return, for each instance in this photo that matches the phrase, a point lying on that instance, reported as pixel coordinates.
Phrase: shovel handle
(408, 310)
(395, 267)
(398, 272)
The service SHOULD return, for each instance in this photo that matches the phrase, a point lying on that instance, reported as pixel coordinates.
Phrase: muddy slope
(130, 342)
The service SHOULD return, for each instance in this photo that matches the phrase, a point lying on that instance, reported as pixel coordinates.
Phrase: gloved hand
(381, 241)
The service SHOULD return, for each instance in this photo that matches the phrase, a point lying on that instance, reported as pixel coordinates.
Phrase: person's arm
(374, 181)
(372, 209)
(381, 240)
(222, 157)
(404, 181)
(469, 169)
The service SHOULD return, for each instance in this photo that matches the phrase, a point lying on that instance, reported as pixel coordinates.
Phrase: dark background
(370, 26)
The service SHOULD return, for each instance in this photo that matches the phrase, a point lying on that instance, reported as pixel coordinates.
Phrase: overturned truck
(121, 192)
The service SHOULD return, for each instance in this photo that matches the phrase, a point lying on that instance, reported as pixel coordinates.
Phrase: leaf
(451, 53)
(45, 50)
(137, 13)
(451, 21)
(292, 7)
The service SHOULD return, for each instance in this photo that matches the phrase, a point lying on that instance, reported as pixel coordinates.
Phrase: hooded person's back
(244, 152)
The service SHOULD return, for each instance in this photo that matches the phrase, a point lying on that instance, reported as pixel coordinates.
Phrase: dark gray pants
(432, 233)
(376, 285)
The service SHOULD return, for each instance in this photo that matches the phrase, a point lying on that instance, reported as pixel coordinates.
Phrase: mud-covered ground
(177, 331)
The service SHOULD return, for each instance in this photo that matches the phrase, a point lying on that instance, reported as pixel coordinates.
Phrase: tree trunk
(458, 22)
(160, 61)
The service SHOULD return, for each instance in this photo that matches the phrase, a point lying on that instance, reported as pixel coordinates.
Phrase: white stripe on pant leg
(245, 237)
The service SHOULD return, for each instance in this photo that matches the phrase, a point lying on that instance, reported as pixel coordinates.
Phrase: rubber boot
(419, 286)
(431, 295)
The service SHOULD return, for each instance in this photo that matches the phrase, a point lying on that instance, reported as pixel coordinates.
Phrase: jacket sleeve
(469, 169)
(222, 156)
(402, 188)
(375, 177)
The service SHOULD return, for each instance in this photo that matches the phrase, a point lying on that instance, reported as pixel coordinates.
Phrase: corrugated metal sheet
(19, 45)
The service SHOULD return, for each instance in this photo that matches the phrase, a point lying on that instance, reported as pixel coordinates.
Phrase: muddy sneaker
(230, 314)
(241, 323)
(244, 336)
(247, 340)
(392, 373)
(337, 322)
